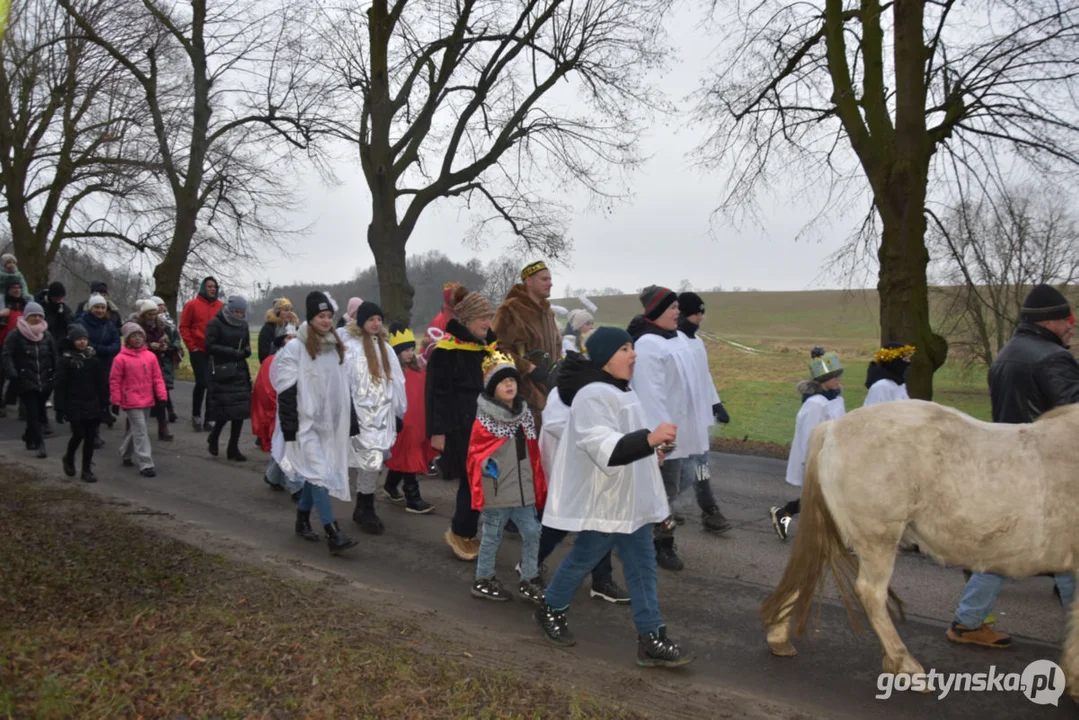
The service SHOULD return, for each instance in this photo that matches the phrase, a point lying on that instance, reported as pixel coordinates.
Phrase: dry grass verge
(102, 618)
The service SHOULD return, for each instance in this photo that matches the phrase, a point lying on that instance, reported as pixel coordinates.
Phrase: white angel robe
(814, 411)
(376, 403)
(555, 418)
(885, 390)
(319, 454)
(583, 492)
(701, 397)
(660, 380)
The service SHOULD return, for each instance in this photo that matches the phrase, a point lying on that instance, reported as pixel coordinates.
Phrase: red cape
(482, 446)
(412, 451)
(264, 406)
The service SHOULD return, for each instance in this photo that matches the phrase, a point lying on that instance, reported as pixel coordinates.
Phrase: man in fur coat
(527, 331)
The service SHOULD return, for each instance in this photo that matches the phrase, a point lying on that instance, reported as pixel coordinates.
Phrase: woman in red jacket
(411, 453)
(194, 318)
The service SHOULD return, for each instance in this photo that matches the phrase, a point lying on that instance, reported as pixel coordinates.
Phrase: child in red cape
(506, 477)
(411, 453)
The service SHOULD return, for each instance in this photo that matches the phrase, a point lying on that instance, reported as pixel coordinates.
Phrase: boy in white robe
(886, 377)
(822, 399)
(606, 487)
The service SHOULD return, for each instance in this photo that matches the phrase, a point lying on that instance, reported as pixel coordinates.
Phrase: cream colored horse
(999, 498)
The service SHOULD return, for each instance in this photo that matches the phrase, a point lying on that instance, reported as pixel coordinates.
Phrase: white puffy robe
(376, 403)
(814, 411)
(320, 453)
(702, 396)
(583, 492)
(555, 418)
(885, 390)
(660, 380)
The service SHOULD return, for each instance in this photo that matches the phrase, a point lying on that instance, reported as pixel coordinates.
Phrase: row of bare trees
(172, 127)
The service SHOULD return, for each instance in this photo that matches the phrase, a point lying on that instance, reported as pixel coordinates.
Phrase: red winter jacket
(194, 318)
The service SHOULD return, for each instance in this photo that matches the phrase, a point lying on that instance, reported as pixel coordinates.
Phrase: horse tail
(817, 545)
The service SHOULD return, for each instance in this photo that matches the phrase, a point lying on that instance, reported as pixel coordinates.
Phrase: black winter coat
(454, 382)
(1033, 374)
(81, 386)
(228, 346)
(33, 363)
(57, 316)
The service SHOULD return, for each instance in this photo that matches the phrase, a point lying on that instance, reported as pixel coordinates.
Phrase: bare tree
(460, 99)
(229, 87)
(918, 90)
(990, 252)
(67, 134)
(500, 275)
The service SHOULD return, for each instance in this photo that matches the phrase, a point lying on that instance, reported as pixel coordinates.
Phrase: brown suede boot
(984, 636)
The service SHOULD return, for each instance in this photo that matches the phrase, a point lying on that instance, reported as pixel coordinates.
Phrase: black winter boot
(303, 526)
(413, 502)
(234, 453)
(711, 517)
(667, 555)
(69, 465)
(336, 539)
(657, 650)
(365, 516)
(554, 625)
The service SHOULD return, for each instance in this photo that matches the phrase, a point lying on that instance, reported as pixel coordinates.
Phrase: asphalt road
(710, 607)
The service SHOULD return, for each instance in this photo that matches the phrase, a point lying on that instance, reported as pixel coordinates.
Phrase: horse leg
(874, 574)
(779, 635)
(1070, 660)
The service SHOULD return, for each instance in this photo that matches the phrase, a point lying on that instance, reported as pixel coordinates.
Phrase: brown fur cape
(522, 326)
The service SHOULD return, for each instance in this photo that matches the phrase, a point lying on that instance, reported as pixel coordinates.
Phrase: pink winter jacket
(135, 380)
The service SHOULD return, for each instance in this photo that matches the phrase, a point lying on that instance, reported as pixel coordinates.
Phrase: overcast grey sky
(661, 236)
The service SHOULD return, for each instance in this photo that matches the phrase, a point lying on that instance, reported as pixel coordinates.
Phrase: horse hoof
(782, 649)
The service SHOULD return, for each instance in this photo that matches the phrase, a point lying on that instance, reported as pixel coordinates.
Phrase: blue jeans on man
(981, 592)
(492, 523)
(638, 555)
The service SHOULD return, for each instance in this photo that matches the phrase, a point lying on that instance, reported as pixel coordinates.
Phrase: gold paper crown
(530, 270)
(402, 337)
(885, 355)
(495, 359)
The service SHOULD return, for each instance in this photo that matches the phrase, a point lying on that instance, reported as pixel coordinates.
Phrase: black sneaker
(780, 522)
(532, 590)
(657, 650)
(713, 520)
(394, 494)
(88, 477)
(667, 556)
(148, 472)
(554, 625)
(611, 592)
(490, 589)
(419, 507)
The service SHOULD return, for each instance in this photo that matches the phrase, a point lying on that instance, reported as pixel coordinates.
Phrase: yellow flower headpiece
(886, 355)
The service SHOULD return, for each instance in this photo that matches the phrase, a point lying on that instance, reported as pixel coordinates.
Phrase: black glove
(245, 353)
(115, 410)
(161, 407)
(539, 374)
(60, 418)
(720, 414)
(399, 424)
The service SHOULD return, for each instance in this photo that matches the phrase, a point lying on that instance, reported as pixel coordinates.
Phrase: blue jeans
(277, 476)
(492, 522)
(319, 497)
(981, 592)
(638, 554)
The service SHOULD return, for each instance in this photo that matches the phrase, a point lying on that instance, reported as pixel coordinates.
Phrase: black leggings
(84, 432)
(34, 402)
(792, 508)
(234, 432)
(200, 366)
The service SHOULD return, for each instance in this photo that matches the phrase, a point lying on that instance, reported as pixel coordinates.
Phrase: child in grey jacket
(506, 477)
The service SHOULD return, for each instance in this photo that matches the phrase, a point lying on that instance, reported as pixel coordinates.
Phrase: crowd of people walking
(592, 430)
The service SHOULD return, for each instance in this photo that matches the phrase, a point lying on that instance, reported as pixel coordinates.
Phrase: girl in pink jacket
(136, 385)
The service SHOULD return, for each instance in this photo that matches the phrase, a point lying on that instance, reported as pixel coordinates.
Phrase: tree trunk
(33, 263)
(904, 287)
(169, 272)
(388, 247)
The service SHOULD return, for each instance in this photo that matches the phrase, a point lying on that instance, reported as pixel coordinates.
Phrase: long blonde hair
(378, 372)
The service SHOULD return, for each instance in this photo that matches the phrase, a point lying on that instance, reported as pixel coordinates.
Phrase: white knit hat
(96, 299)
(577, 319)
(145, 306)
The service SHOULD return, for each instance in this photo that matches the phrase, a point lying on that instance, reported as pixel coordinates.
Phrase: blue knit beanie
(604, 342)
